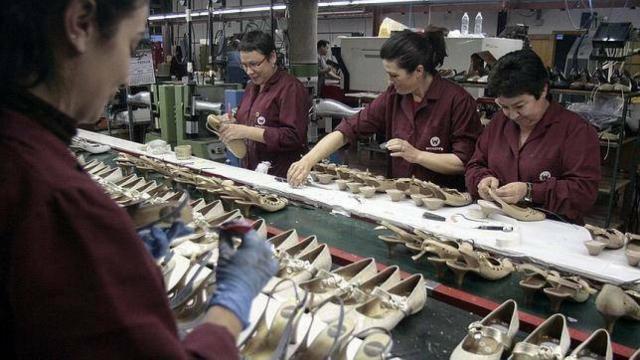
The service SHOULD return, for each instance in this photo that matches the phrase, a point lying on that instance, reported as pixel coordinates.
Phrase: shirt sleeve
(84, 287)
(466, 128)
(368, 121)
(575, 191)
(291, 134)
(478, 166)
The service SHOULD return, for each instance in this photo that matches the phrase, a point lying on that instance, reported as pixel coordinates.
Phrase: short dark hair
(517, 73)
(31, 30)
(410, 49)
(259, 41)
(322, 43)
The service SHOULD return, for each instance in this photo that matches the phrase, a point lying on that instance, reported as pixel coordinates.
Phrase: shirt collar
(435, 89)
(50, 118)
(272, 80)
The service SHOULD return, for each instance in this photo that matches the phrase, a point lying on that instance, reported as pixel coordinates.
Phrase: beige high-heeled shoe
(603, 238)
(533, 280)
(550, 340)
(562, 288)
(237, 147)
(481, 263)
(451, 197)
(400, 236)
(596, 346)
(301, 268)
(490, 337)
(632, 249)
(613, 303)
(444, 250)
(517, 212)
(388, 307)
(284, 240)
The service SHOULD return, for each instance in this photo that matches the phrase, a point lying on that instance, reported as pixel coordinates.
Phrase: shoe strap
(478, 331)
(541, 352)
(392, 301)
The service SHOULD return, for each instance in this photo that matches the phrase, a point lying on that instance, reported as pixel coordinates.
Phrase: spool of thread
(183, 152)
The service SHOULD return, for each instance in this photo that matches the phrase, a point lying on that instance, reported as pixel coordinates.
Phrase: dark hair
(517, 73)
(410, 49)
(322, 43)
(259, 41)
(31, 29)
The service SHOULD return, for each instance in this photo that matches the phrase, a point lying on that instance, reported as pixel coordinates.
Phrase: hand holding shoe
(485, 184)
(242, 275)
(513, 192)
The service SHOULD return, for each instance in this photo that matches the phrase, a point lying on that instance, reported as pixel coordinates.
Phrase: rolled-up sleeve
(575, 191)
(291, 132)
(368, 121)
(466, 128)
(478, 166)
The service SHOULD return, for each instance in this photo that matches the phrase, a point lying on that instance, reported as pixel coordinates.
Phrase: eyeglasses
(253, 65)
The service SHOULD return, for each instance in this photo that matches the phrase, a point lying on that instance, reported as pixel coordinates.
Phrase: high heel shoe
(481, 263)
(301, 268)
(489, 338)
(533, 280)
(632, 249)
(613, 303)
(517, 212)
(550, 340)
(572, 287)
(596, 347)
(237, 147)
(451, 197)
(400, 237)
(388, 307)
(284, 240)
(603, 238)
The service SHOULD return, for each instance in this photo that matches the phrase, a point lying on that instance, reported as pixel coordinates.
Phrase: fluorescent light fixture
(369, 2)
(334, 3)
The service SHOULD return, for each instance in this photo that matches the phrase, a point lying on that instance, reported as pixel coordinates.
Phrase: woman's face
(525, 110)
(403, 81)
(258, 67)
(104, 66)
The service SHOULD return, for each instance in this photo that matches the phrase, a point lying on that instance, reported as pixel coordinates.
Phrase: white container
(477, 26)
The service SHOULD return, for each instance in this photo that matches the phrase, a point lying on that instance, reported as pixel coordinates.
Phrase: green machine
(163, 114)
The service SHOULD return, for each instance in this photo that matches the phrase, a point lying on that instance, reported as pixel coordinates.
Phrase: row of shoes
(599, 79)
(458, 256)
(493, 337)
(499, 206)
(239, 196)
(422, 192)
(613, 239)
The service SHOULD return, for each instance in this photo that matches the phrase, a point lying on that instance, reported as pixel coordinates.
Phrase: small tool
(432, 216)
(495, 228)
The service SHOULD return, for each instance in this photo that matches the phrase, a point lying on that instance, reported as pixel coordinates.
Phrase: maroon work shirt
(446, 121)
(281, 109)
(561, 158)
(77, 282)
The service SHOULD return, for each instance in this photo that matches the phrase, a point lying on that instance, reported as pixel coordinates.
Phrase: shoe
(550, 340)
(284, 240)
(301, 268)
(237, 147)
(533, 280)
(481, 263)
(329, 284)
(443, 249)
(358, 293)
(260, 226)
(490, 337)
(451, 197)
(603, 238)
(632, 249)
(597, 346)
(562, 288)
(635, 355)
(388, 307)
(380, 183)
(376, 344)
(613, 303)
(517, 212)
(400, 237)
(301, 247)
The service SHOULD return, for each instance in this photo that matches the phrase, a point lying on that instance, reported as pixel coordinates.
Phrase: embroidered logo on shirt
(435, 141)
(545, 175)
(261, 120)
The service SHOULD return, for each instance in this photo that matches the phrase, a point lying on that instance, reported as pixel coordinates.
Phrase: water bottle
(464, 29)
(477, 27)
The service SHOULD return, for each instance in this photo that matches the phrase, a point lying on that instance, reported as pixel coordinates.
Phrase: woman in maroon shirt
(75, 279)
(534, 150)
(432, 123)
(272, 116)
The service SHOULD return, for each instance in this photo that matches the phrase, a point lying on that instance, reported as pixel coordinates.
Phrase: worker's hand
(402, 148)
(157, 239)
(241, 277)
(230, 132)
(485, 184)
(298, 172)
(512, 192)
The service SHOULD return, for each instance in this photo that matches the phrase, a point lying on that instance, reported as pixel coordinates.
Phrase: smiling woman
(77, 281)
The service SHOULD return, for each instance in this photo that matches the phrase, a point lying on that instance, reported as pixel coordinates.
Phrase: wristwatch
(528, 197)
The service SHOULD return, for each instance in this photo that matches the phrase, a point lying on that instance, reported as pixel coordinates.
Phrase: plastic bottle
(464, 29)
(477, 27)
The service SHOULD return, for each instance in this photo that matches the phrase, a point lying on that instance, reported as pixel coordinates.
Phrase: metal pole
(130, 114)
